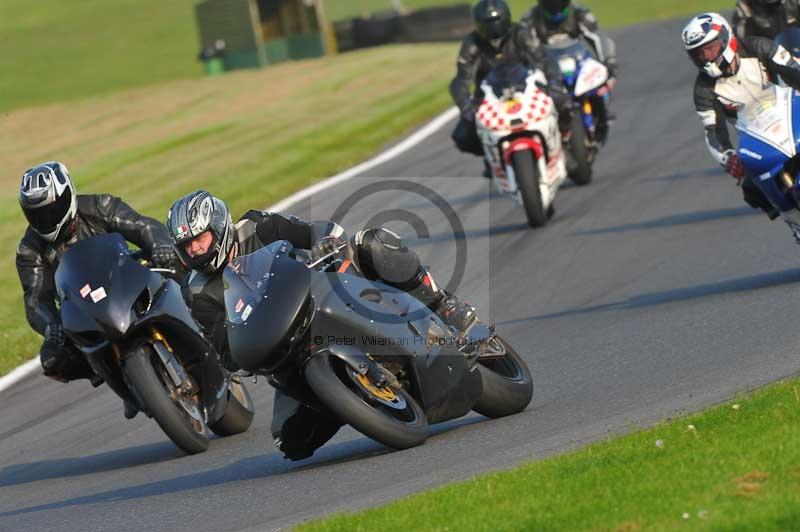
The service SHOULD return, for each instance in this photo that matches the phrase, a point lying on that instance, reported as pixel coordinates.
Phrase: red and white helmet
(710, 43)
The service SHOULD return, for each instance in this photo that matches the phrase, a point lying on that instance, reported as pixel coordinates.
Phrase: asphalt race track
(654, 291)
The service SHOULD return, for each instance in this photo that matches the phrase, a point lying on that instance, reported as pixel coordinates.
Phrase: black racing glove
(164, 256)
(51, 354)
(613, 69)
(325, 246)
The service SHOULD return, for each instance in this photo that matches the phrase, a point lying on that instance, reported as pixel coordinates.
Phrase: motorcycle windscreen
(266, 295)
(568, 54)
(101, 280)
(507, 79)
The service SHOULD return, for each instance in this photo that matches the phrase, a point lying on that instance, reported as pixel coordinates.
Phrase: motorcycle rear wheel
(507, 381)
(188, 430)
(527, 173)
(336, 384)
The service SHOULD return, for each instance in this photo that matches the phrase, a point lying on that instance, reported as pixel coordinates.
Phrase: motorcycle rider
(765, 18)
(495, 40)
(57, 218)
(733, 75)
(550, 19)
(206, 239)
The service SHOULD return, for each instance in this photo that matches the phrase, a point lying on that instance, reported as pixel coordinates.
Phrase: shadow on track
(687, 218)
(254, 467)
(86, 465)
(742, 284)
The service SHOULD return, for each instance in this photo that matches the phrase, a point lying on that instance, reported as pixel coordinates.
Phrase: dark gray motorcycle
(369, 354)
(134, 328)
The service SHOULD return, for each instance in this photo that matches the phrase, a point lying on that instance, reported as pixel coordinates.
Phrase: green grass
(57, 50)
(729, 468)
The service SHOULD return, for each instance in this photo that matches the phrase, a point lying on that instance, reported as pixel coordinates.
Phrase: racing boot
(130, 409)
(457, 314)
(453, 312)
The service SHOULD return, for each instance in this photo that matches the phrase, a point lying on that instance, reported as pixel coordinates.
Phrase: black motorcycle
(374, 357)
(134, 328)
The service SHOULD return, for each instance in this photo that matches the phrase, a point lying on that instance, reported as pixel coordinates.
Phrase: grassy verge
(733, 467)
(56, 50)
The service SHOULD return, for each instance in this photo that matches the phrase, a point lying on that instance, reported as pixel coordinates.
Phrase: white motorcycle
(517, 123)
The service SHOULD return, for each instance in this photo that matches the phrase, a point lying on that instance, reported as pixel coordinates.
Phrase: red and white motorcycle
(517, 123)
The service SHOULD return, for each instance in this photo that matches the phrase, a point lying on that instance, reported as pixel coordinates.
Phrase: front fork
(587, 115)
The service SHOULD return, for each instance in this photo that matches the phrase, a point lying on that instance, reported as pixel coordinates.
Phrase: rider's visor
(46, 219)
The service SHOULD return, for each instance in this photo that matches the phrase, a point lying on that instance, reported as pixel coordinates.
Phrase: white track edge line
(21, 372)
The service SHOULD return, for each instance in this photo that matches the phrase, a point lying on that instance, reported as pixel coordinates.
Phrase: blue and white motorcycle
(587, 80)
(769, 142)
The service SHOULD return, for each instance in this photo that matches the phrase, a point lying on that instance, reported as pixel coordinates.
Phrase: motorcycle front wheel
(180, 417)
(238, 414)
(391, 417)
(507, 381)
(527, 173)
(582, 174)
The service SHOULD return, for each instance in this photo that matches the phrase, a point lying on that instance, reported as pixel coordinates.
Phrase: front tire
(582, 175)
(335, 384)
(141, 370)
(527, 173)
(238, 414)
(507, 382)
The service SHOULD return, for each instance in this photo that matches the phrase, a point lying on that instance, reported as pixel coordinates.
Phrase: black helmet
(555, 11)
(48, 200)
(192, 216)
(492, 20)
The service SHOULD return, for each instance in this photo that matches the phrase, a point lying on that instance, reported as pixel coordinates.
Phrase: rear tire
(141, 374)
(238, 414)
(507, 383)
(330, 379)
(527, 173)
(582, 175)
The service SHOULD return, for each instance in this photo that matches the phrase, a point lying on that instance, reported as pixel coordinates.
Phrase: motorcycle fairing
(592, 75)
(267, 294)
(769, 134)
(104, 288)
